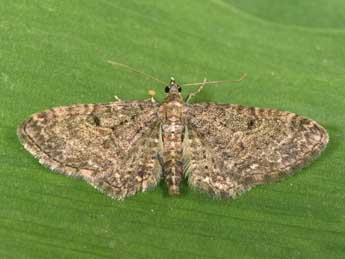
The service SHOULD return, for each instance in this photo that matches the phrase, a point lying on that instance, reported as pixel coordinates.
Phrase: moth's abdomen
(172, 156)
(171, 114)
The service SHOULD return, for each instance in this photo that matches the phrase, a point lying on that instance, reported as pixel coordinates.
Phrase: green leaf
(54, 53)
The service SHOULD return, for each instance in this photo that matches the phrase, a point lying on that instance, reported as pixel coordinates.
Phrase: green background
(53, 53)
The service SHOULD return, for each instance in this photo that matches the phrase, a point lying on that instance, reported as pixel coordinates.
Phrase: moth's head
(173, 87)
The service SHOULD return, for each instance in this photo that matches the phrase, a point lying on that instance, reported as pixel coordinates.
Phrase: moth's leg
(152, 94)
(190, 95)
(160, 160)
(118, 99)
(186, 151)
(161, 147)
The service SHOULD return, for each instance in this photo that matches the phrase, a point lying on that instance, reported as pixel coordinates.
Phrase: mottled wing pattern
(233, 148)
(113, 146)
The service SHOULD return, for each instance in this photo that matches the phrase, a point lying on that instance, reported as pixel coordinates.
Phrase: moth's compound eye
(179, 89)
(167, 89)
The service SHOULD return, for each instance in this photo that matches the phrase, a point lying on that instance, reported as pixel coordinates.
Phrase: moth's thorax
(172, 109)
(172, 115)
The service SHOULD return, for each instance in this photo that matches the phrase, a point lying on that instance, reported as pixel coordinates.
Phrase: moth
(125, 147)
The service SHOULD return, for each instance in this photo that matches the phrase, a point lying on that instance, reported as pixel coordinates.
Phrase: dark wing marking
(233, 148)
(98, 142)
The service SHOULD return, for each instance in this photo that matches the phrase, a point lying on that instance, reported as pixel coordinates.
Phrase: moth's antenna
(136, 71)
(216, 82)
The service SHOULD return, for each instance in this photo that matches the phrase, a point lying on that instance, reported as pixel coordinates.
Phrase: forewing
(98, 142)
(233, 148)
